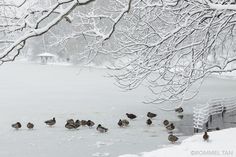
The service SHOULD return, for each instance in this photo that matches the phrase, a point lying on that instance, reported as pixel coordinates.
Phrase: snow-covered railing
(203, 112)
(200, 115)
(216, 106)
(230, 104)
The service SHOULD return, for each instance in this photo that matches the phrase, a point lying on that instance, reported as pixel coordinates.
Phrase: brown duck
(149, 122)
(131, 115)
(17, 125)
(205, 136)
(83, 122)
(170, 126)
(172, 138)
(30, 125)
(166, 122)
(70, 126)
(151, 115)
(77, 124)
(90, 123)
(123, 123)
(70, 121)
(179, 110)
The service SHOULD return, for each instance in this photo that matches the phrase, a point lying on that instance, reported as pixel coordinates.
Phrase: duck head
(120, 122)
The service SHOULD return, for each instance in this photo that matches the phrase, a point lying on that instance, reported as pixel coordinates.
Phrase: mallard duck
(170, 126)
(83, 122)
(172, 138)
(70, 121)
(166, 122)
(205, 136)
(179, 110)
(77, 124)
(51, 122)
(149, 122)
(90, 123)
(123, 123)
(30, 125)
(17, 125)
(70, 126)
(101, 129)
(131, 116)
(151, 115)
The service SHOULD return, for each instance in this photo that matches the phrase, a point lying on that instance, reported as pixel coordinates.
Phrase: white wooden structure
(202, 113)
(46, 57)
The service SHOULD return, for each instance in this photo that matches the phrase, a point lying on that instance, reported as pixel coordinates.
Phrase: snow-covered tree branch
(173, 45)
(21, 26)
(170, 45)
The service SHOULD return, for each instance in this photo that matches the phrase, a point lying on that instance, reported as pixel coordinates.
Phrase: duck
(151, 115)
(170, 126)
(123, 123)
(70, 121)
(172, 138)
(30, 125)
(90, 123)
(166, 122)
(131, 116)
(83, 122)
(51, 122)
(205, 136)
(77, 124)
(17, 125)
(69, 125)
(149, 122)
(101, 129)
(179, 110)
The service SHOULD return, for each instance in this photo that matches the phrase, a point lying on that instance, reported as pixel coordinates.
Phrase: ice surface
(35, 93)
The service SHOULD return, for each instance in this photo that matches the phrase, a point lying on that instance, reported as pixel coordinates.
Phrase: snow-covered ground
(33, 92)
(221, 143)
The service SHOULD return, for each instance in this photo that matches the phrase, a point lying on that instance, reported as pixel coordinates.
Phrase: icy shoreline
(221, 143)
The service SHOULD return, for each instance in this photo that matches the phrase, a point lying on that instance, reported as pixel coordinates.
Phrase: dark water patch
(184, 126)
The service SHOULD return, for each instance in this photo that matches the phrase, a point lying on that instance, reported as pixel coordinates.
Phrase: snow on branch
(16, 44)
(4, 4)
(169, 45)
(172, 47)
(226, 5)
(116, 21)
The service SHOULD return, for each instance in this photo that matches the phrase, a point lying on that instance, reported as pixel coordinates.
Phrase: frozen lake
(31, 92)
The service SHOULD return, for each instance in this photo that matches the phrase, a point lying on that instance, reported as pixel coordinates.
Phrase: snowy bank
(221, 143)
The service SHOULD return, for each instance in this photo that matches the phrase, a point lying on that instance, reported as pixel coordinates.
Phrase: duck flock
(75, 124)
